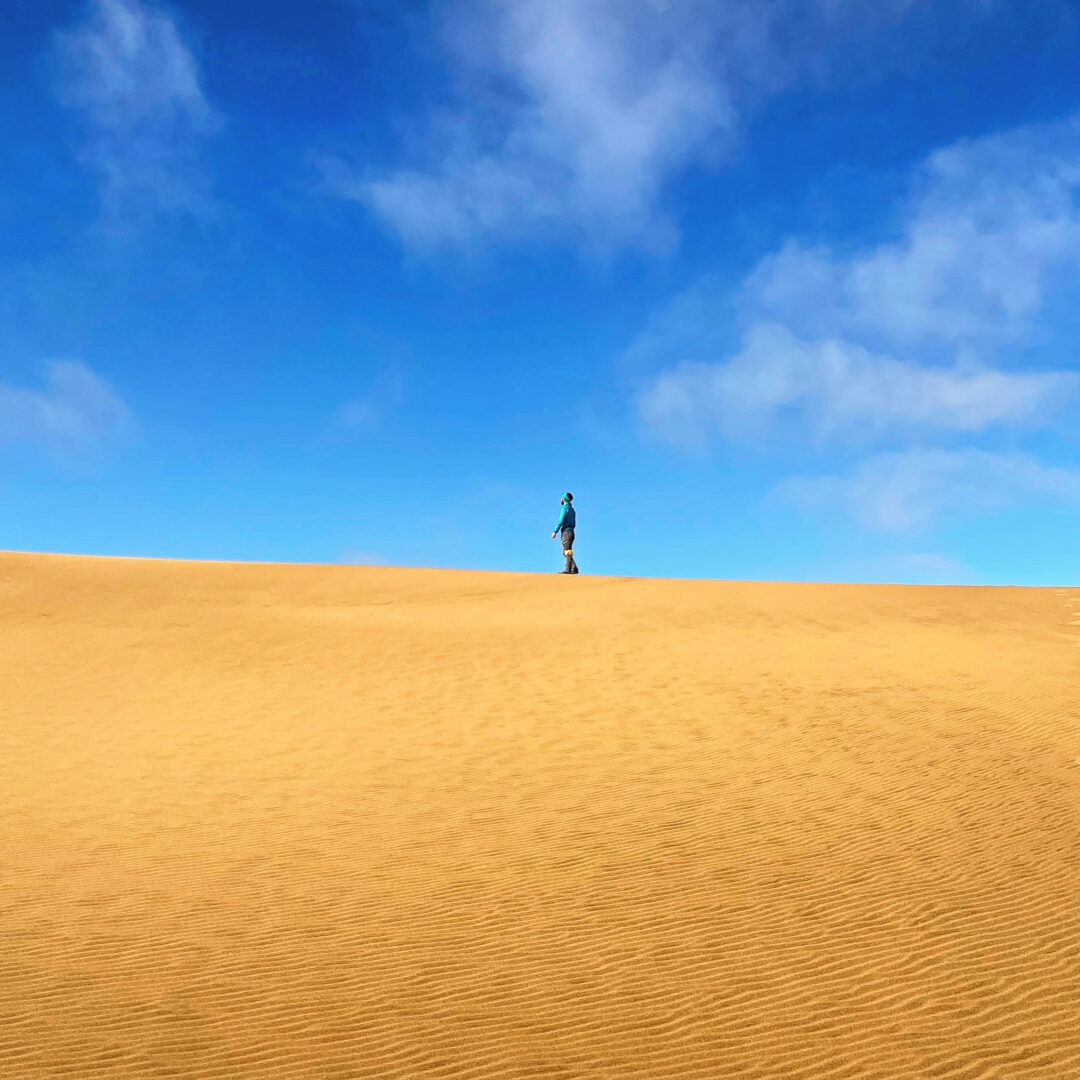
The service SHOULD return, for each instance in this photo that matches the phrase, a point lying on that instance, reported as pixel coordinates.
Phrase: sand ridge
(329, 821)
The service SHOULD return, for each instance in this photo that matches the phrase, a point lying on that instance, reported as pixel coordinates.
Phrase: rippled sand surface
(292, 821)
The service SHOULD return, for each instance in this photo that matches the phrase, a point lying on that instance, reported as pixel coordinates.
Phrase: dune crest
(326, 821)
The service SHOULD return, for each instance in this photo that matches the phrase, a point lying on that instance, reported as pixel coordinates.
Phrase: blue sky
(781, 290)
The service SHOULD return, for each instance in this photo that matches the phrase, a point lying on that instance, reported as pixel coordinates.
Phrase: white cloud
(75, 416)
(860, 339)
(363, 558)
(989, 222)
(358, 413)
(606, 99)
(898, 568)
(127, 69)
(839, 388)
(580, 111)
(896, 341)
(925, 566)
(366, 412)
(908, 490)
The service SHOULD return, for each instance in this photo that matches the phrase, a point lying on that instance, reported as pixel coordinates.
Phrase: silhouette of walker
(566, 525)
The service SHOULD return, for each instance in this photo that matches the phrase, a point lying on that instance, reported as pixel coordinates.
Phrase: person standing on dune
(566, 524)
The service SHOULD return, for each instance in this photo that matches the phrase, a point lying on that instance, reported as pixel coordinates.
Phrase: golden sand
(292, 821)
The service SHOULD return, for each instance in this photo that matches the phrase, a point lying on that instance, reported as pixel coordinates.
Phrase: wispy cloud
(363, 558)
(909, 490)
(898, 335)
(365, 413)
(836, 388)
(75, 418)
(899, 341)
(988, 224)
(582, 110)
(603, 100)
(360, 413)
(127, 69)
(925, 566)
(898, 568)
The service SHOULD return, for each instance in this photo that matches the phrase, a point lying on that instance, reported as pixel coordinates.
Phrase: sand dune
(323, 821)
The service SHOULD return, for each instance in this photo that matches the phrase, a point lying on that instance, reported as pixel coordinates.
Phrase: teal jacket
(567, 519)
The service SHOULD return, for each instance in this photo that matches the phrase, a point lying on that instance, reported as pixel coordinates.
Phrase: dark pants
(568, 550)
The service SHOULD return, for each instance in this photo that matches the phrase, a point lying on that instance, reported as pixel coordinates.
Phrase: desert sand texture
(293, 821)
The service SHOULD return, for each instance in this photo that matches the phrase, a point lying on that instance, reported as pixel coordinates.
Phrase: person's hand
(552, 536)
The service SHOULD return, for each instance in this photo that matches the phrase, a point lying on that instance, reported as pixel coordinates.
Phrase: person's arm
(562, 518)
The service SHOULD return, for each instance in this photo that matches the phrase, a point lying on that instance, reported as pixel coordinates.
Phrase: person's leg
(568, 549)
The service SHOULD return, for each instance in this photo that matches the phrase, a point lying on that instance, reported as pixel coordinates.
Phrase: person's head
(568, 497)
